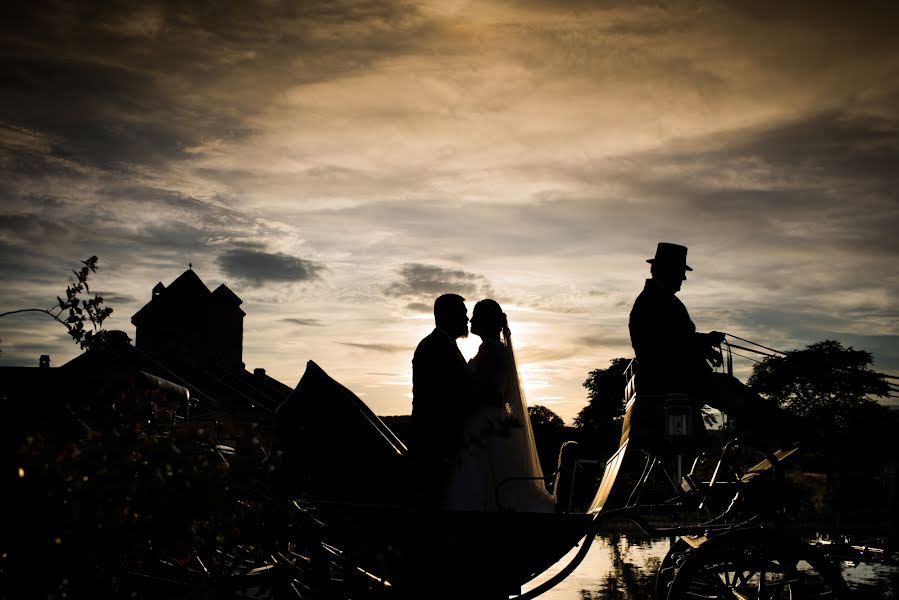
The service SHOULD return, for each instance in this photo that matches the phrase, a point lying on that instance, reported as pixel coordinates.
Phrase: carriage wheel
(668, 567)
(756, 564)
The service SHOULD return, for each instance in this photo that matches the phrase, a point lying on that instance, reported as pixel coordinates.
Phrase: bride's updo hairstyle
(491, 320)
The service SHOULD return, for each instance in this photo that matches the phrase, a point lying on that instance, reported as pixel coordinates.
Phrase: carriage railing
(562, 479)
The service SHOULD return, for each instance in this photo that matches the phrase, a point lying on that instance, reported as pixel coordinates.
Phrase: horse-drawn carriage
(722, 509)
(354, 536)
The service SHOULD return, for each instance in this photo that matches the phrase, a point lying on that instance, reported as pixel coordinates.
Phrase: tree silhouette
(832, 387)
(82, 317)
(824, 382)
(544, 418)
(549, 433)
(605, 396)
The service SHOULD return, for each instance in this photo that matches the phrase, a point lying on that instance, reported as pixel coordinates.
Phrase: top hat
(671, 255)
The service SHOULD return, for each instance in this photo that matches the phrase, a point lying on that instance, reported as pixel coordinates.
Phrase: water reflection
(618, 566)
(623, 567)
(872, 580)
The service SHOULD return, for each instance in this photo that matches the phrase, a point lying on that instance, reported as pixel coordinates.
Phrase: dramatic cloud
(387, 348)
(113, 299)
(27, 228)
(534, 152)
(303, 322)
(422, 281)
(259, 267)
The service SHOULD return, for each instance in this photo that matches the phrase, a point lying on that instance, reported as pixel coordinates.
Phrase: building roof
(234, 390)
(224, 293)
(187, 289)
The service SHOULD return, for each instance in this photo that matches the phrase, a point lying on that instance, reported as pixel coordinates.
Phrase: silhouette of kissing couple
(472, 438)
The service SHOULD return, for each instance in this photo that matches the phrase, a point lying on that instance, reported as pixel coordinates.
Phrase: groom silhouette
(441, 399)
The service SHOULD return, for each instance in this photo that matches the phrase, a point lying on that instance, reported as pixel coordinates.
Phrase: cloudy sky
(340, 163)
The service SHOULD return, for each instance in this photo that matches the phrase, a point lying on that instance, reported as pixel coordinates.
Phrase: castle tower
(187, 322)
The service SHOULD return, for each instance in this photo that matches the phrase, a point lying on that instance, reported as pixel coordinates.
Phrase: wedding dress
(498, 468)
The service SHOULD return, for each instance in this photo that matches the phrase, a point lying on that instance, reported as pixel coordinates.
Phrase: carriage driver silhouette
(672, 357)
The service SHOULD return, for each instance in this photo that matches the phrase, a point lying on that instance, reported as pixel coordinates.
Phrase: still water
(623, 567)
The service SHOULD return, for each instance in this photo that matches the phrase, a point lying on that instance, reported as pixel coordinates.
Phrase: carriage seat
(659, 423)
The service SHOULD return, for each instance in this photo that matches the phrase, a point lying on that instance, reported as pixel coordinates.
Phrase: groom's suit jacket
(441, 395)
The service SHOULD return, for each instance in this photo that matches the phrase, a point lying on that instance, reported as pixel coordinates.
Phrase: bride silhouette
(497, 468)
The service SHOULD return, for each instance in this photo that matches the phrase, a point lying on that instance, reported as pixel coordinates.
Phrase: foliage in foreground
(80, 512)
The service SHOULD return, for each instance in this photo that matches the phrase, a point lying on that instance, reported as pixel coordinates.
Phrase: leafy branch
(82, 317)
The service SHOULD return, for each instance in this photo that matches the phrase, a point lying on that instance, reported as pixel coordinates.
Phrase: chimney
(44, 361)
(259, 372)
